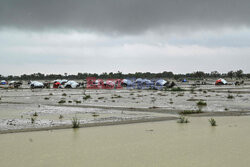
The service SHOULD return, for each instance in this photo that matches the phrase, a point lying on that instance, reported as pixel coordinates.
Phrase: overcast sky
(58, 36)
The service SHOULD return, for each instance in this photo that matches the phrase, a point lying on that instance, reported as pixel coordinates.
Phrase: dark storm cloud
(125, 16)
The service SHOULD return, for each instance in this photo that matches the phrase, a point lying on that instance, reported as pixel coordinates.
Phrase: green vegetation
(177, 89)
(32, 119)
(95, 114)
(201, 103)
(35, 114)
(64, 94)
(75, 122)
(60, 116)
(78, 101)
(186, 112)
(230, 96)
(182, 119)
(69, 101)
(100, 97)
(46, 98)
(86, 97)
(116, 96)
(51, 94)
(212, 122)
(62, 101)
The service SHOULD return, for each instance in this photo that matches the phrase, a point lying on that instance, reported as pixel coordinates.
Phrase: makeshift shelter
(3, 82)
(71, 84)
(126, 83)
(221, 82)
(56, 84)
(160, 82)
(36, 84)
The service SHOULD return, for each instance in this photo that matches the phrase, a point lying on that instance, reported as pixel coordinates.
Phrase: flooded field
(158, 144)
(51, 108)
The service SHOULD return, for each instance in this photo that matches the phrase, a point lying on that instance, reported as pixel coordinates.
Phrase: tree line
(239, 74)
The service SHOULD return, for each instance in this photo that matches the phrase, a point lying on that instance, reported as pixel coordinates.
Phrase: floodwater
(157, 144)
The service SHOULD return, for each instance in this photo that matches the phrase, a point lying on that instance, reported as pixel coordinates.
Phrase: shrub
(32, 120)
(177, 89)
(86, 97)
(186, 112)
(95, 115)
(75, 122)
(212, 122)
(60, 116)
(201, 103)
(35, 114)
(183, 119)
(62, 101)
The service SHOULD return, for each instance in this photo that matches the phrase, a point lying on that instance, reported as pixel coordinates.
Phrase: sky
(95, 36)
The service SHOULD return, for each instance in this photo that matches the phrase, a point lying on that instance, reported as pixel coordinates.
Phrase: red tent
(56, 85)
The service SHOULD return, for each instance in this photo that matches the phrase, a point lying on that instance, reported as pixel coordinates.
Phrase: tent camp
(221, 82)
(36, 84)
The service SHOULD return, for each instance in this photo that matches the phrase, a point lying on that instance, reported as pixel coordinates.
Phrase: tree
(239, 74)
(230, 74)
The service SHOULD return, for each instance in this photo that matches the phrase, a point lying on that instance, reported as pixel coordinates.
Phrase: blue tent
(3, 82)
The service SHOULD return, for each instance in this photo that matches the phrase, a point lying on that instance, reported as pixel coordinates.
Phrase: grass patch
(64, 94)
(230, 96)
(35, 114)
(51, 94)
(46, 98)
(32, 119)
(86, 97)
(60, 116)
(100, 97)
(182, 120)
(201, 103)
(116, 96)
(69, 101)
(78, 101)
(177, 89)
(62, 101)
(95, 115)
(186, 112)
(212, 122)
(75, 122)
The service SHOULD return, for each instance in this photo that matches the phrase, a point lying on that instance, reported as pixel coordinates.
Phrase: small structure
(3, 82)
(221, 82)
(36, 84)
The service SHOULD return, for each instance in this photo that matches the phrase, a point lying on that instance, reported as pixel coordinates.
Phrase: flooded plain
(160, 144)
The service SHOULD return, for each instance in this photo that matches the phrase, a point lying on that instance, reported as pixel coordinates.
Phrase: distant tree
(215, 74)
(239, 73)
(230, 74)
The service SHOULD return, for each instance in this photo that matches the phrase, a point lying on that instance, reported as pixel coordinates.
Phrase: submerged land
(146, 132)
(27, 109)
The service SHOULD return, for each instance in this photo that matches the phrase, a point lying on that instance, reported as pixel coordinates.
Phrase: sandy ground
(17, 106)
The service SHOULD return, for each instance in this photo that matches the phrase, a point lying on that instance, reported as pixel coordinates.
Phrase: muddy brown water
(160, 144)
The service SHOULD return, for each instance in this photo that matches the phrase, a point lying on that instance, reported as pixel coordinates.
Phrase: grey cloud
(123, 16)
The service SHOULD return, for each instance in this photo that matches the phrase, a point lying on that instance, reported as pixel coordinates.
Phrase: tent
(56, 84)
(71, 84)
(160, 82)
(126, 82)
(221, 82)
(3, 82)
(36, 84)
